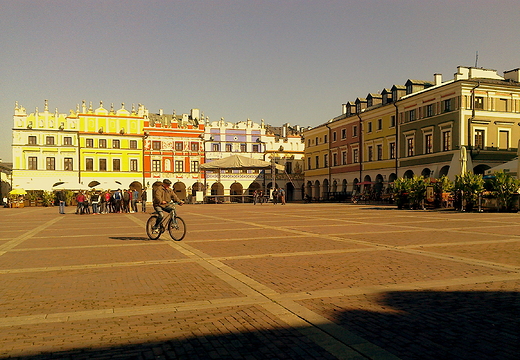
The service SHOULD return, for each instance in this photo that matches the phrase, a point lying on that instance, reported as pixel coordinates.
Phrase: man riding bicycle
(162, 196)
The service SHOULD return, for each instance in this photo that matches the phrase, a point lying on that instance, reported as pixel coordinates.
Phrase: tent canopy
(240, 163)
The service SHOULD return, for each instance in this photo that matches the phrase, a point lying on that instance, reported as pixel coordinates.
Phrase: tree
(505, 187)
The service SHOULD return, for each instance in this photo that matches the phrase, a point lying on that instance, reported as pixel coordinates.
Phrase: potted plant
(48, 198)
(470, 185)
(505, 188)
(417, 192)
(401, 191)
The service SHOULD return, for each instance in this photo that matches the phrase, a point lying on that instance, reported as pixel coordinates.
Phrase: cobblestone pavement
(301, 281)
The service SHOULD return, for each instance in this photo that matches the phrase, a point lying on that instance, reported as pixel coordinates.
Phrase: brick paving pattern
(302, 281)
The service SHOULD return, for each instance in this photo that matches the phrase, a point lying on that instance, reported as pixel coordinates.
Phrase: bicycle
(175, 225)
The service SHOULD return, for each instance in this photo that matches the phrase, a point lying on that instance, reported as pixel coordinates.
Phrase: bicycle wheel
(149, 228)
(177, 228)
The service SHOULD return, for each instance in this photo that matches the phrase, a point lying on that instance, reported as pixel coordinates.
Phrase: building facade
(173, 149)
(419, 128)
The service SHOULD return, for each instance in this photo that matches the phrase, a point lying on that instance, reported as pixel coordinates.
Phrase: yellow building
(317, 169)
(44, 148)
(111, 146)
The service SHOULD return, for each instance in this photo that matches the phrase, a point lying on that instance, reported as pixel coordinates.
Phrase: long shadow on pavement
(411, 325)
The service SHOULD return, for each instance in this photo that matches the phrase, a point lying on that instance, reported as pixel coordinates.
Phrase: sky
(288, 61)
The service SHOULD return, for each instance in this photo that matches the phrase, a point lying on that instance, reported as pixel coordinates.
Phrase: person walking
(281, 193)
(144, 198)
(275, 196)
(255, 197)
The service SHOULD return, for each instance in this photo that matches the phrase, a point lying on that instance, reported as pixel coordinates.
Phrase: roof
(239, 162)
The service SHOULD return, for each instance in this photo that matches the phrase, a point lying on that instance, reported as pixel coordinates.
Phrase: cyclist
(162, 196)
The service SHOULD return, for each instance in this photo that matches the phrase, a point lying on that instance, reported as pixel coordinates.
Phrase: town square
(304, 281)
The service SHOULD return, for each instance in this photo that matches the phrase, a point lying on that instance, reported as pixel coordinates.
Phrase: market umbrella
(70, 186)
(58, 183)
(18, 191)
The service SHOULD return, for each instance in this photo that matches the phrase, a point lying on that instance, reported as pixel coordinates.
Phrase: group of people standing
(278, 196)
(104, 202)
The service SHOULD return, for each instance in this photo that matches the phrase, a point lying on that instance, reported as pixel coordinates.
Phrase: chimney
(437, 78)
(161, 112)
(512, 75)
(343, 108)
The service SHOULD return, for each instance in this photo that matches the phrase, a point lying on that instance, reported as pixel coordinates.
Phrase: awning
(239, 163)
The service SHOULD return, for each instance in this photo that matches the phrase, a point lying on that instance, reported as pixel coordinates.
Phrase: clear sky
(283, 61)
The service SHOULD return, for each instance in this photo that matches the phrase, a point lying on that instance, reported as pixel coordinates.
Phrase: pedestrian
(255, 197)
(102, 203)
(281, 194)
(95, 203)
(144, 197)
(80, 199)
(135, 199)
(261, 196)
(117, 200)
(275, 196)
(60, 196)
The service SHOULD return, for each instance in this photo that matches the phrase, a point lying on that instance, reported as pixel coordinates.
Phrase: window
(379, 152)
(215, 147)
(67, 164)
(334, 159)
(325, 139)
(194, 166)
(343, 133)
(116, 164)
(256, 148)
(334, 136)
(309, 142)
(355, 155)
(50, 163)
(316, 143)
(67, 140)
(102, 164)
(370, 153)
(133, 144)
(195, 146)
(392, 150)
(243, 148)
(446, 140)
(116, 144)
(179, 166)
(49, 140)
(392, 121)
(317, 162)
(343, 158)
(479, 139)
(379, 124)
(479, 103)
(156, 145)
(133, 164)
(156, 165)
(89, 143)
(308, 163)
(410, 146)
(32, 163)
(326, 160)
(32, 140)
(428, 146)
(103, 143)
(411, 115)
(354, 131)
(369, 127)
(228, 148)
(429, 110)
(448, 106)
(89, 164)
(178, 146)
